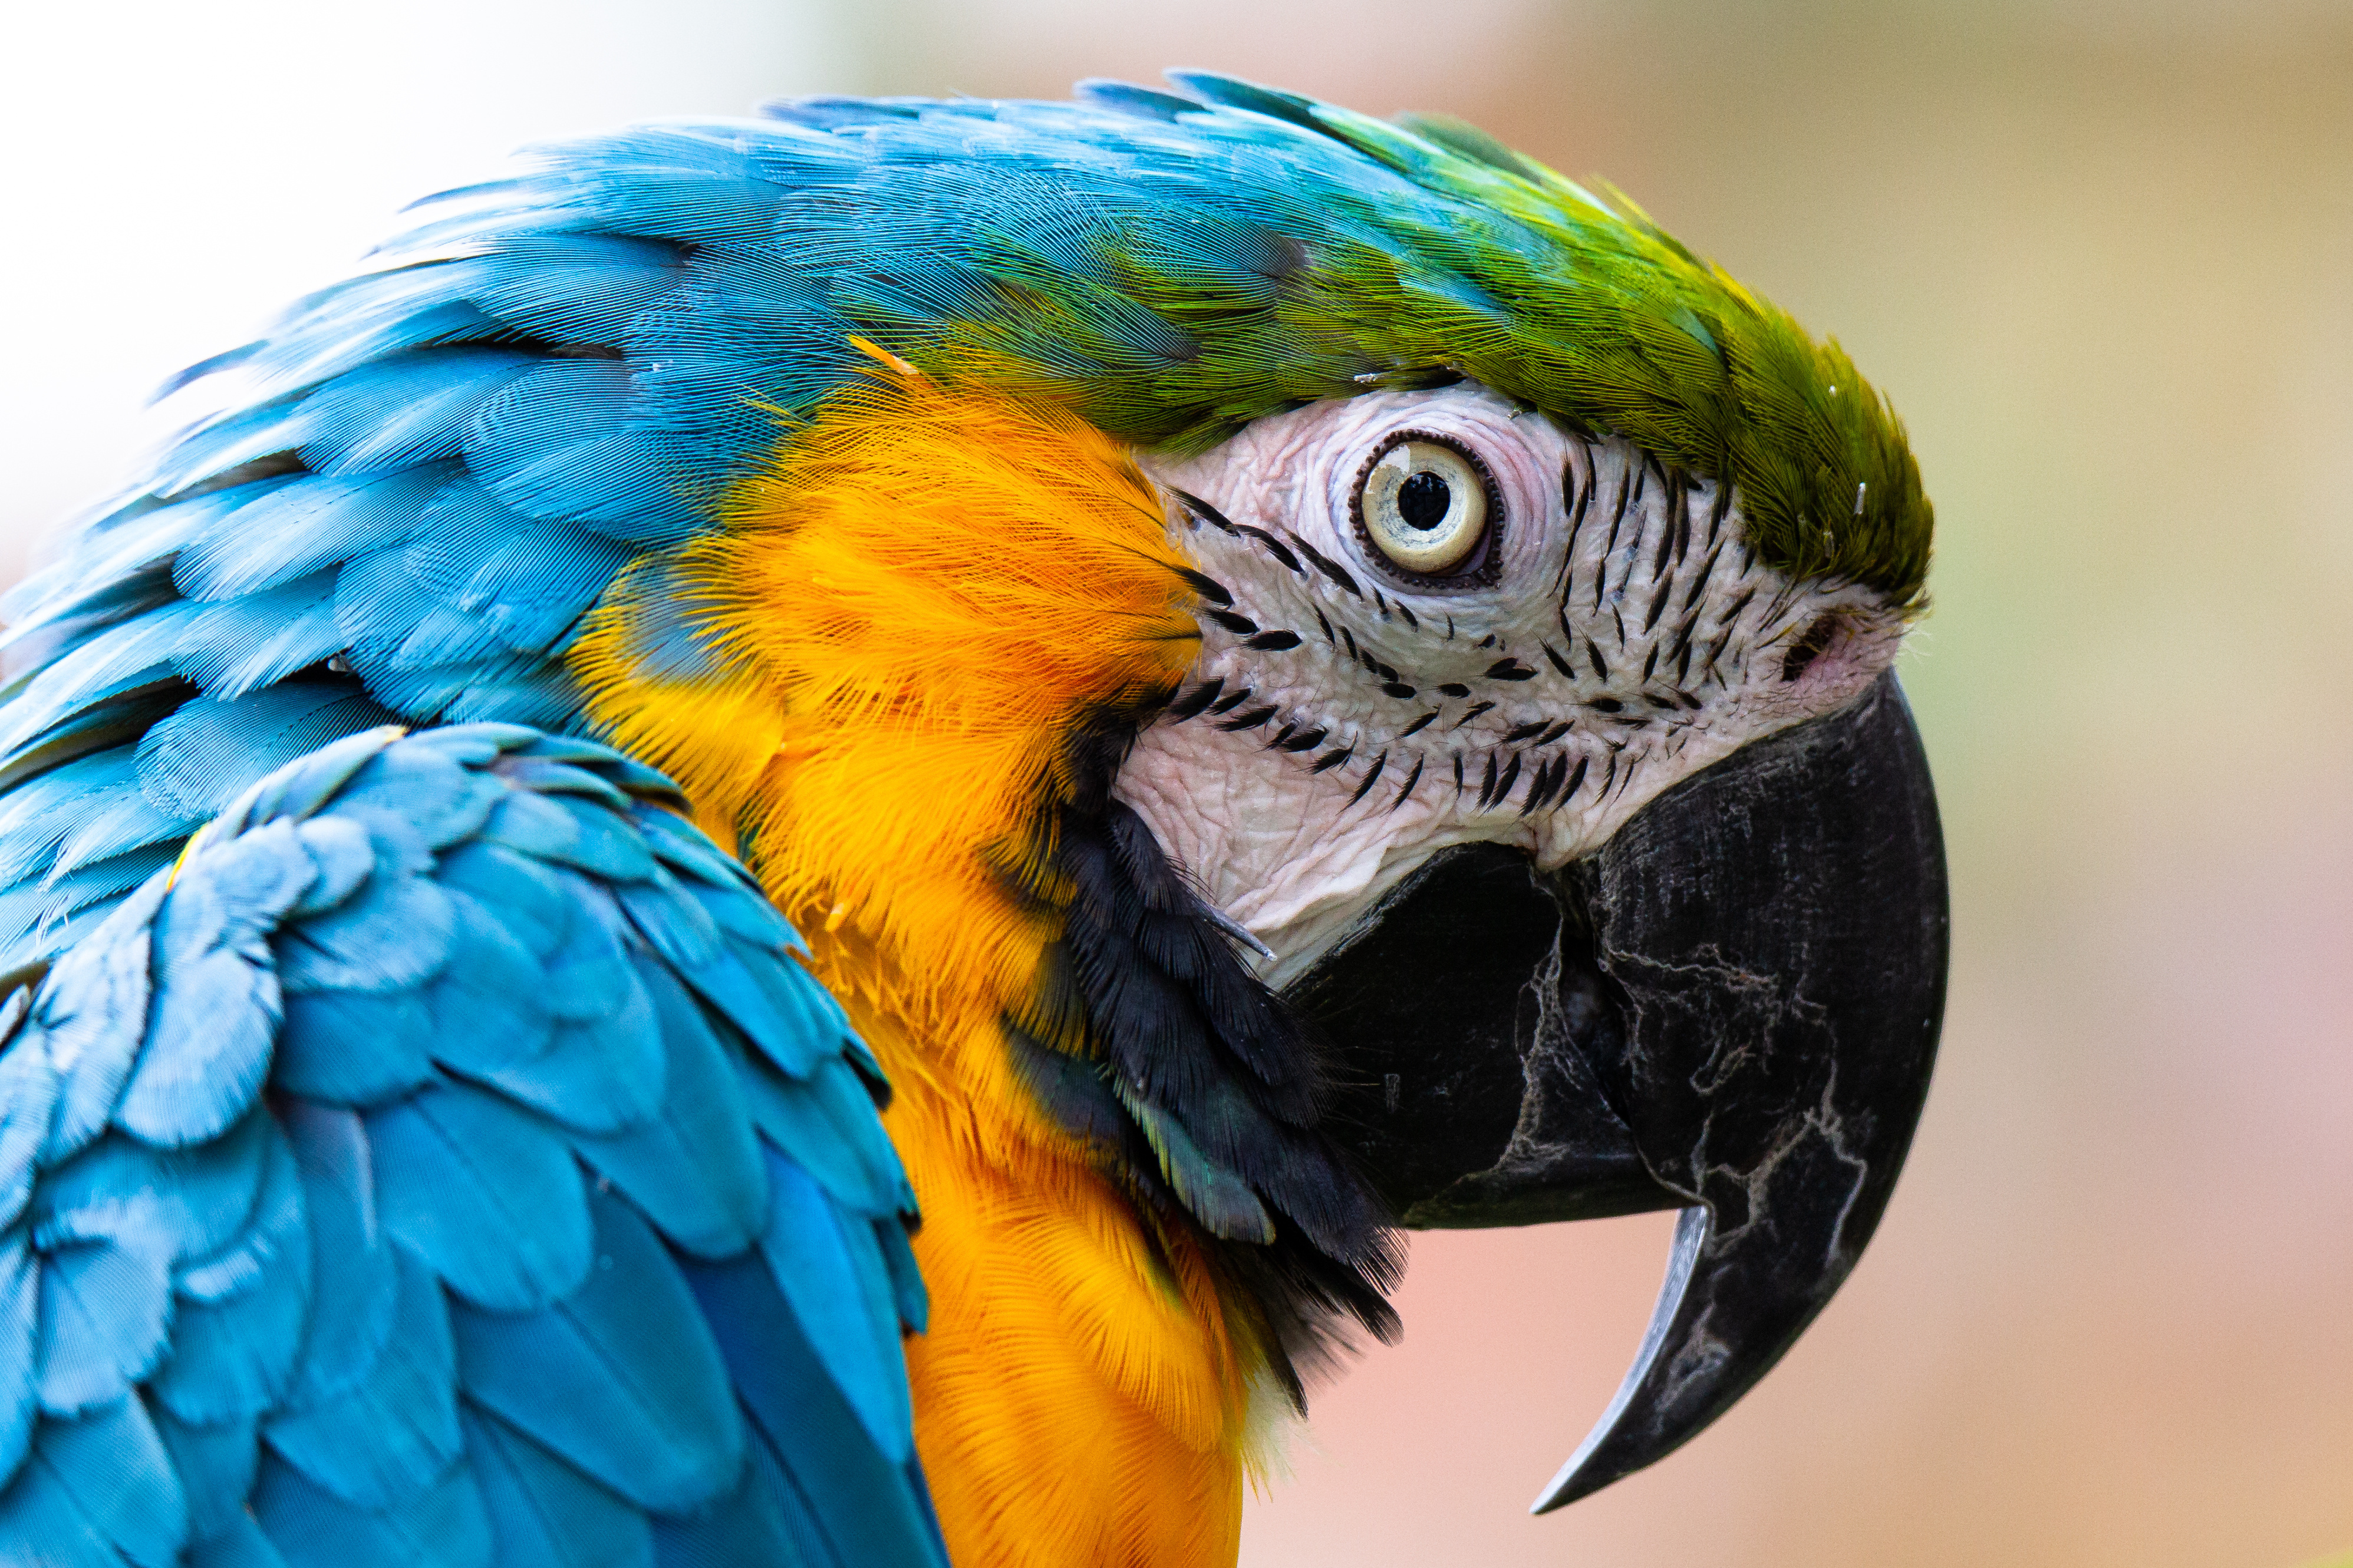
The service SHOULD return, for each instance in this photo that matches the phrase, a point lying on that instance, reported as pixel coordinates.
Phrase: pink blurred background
(2101, 256)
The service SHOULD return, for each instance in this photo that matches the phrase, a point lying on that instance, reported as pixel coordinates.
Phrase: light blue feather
(529, 579)
(560, 443)
(196, 763)
(354, 1279)
(97, 1490)
(216, 1014)
(215, 1463)
(238, 1313)
(402, 410)
(304, 527)
(391, 1435)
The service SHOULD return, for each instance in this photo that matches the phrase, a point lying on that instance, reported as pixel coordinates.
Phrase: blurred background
(2099, 252)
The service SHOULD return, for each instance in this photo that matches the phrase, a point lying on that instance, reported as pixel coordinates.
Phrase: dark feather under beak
(1731, 1009)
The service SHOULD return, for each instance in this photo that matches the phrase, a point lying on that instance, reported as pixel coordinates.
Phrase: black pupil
(1423, 500)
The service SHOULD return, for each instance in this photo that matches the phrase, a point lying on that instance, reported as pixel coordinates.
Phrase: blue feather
(474, 746)
(647, 1409)
(179, 1204)
(510, 690)
(303, 527)
(29, 1090)
(815, 1027)
(827, 1124)
(549, 776)
(355, 1286)
(100, 1490)
(445, 1526)
(683, 848)
(40, 816)
(764, 1520)
(40, 921)
(871, 1510)
(488, 1009)
(149, 535)
(397, 931)
(546, 1513)
(118, 818)
(238, 1313)
(343, 856)
(197, 762)
(695, 1170)
(426, 790)
(560, 443)
(238, 1545)
(229, 441)
(20, 1342)
(599, 1075)
(534, 903)
(403, 409)
(549, 829)
(393, 624)
(625, 773)
(528, 579)
(909, 1297)
(374, 316)
(576, 288)
(832, 1275)
(113, 662)
(394, 1433)
(216, 1014)
(91, 1013)
(484, 1193)
(668, 917)
(303, 785)
(352, 1048)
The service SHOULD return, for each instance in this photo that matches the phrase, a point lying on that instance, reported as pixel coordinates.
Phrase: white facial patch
(1350, 714)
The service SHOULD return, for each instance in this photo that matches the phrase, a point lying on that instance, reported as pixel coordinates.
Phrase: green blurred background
(2100, 256)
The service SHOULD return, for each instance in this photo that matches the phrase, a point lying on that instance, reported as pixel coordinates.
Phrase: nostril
(1809, 647)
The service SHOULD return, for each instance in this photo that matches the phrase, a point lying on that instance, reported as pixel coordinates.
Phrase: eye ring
(1433, 517)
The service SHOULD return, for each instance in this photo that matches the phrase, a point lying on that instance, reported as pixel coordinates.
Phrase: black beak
(1732, 1009)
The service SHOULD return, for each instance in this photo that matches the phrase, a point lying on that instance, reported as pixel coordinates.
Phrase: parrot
(799, 841)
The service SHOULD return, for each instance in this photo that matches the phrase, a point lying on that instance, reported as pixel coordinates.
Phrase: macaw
(792, 844)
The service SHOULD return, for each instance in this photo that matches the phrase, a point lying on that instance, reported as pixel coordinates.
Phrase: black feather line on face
(1143, 1011)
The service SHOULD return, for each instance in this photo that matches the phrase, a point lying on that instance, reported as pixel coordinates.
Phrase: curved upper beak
(1731, 1009)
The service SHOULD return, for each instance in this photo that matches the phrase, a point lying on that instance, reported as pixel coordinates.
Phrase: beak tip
(1619, 1448)
(1563, 1489)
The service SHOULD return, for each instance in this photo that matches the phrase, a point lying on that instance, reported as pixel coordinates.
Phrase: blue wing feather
(648, 1410)
(397, 1181)
(545, 1511)
(394, 1432)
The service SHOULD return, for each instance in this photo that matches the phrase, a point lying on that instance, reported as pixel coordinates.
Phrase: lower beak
(1732, 1009)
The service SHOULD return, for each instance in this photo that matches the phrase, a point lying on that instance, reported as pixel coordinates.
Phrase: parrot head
(1601, 851)
(1338, 678)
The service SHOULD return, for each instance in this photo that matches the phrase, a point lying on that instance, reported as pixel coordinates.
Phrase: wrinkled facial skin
(1629, 637)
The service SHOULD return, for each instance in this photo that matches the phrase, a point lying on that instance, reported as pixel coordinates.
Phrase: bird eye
(1427, 505)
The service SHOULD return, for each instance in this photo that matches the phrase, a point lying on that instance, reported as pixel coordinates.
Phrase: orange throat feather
(917, 603)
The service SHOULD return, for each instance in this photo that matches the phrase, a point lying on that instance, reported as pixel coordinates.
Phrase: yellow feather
(916, 601)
